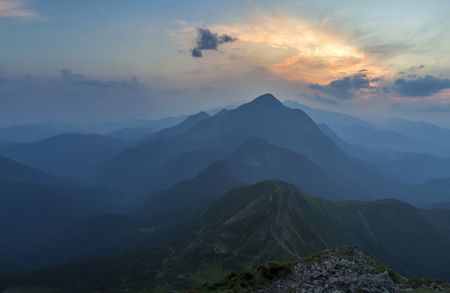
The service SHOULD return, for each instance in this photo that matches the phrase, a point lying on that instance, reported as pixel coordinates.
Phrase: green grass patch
(247, 281)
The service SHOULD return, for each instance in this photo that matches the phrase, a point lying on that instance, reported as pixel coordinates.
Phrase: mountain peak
(199, 116)
(266, 99)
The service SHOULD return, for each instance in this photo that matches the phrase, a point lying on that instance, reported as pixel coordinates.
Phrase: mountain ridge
(66, 154)
(264, 117)
(271, 220)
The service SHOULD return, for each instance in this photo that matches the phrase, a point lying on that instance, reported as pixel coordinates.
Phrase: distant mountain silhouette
(38, 131)
(256, 160)
(325, 116)
(265, 117)
(6, 144)
(66, 154)
(183, 126)
(131, 134)
(33, 132)
(395, 134)
(437, 190)
(407, 167)
(378, 138)
(13, 171)
(189, 196)
(419, 130)
(33, 216)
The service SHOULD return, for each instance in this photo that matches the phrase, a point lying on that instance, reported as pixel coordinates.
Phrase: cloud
(15, 9)
(347, 87)
(196, 52)
(420, 86)
(300, 50)
(226, 38)
(78, 79)
(69, 96)
(67, 75)
(208, 40)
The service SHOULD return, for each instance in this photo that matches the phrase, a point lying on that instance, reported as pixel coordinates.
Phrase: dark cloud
(226, 38)
(346, 87)
(69, 96)
(208, 40)
(67, 75)
(420, 86)
(196, 52)
(78, 79)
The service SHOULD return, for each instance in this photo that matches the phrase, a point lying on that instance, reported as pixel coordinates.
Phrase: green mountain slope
(289, 224)
(255, 160)
(271, 220)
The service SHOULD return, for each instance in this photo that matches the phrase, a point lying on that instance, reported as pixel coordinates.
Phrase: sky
(86, 61)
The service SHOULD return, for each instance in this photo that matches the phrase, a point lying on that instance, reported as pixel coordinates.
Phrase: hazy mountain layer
(67, 154)
(13, 171)
(266, 118)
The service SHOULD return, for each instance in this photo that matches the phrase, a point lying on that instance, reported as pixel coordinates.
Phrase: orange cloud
(299, 51)
(441, 96)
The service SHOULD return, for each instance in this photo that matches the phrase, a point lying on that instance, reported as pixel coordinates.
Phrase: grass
(315, 258)
(380, 268)
(247, 281)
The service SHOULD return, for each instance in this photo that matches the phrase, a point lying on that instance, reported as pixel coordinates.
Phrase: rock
(353, 272)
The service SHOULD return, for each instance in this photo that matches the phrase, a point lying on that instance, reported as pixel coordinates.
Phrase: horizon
(108, 61)
(212, 112)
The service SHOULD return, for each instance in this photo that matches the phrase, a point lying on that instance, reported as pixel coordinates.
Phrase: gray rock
(337, 273)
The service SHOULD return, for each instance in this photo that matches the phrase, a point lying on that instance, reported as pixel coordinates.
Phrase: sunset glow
(354, 56)
(305, 53)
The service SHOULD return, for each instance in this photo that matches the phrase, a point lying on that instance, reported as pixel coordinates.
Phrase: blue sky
(106, 60)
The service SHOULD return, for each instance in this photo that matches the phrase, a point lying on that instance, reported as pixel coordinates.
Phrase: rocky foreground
(333, 270)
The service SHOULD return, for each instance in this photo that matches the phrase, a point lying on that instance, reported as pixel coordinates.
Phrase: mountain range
(39, 131)
(132, 210)
(66, 155)
(394, 134)
(265, 117)
(271, 220)
(36, 209)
